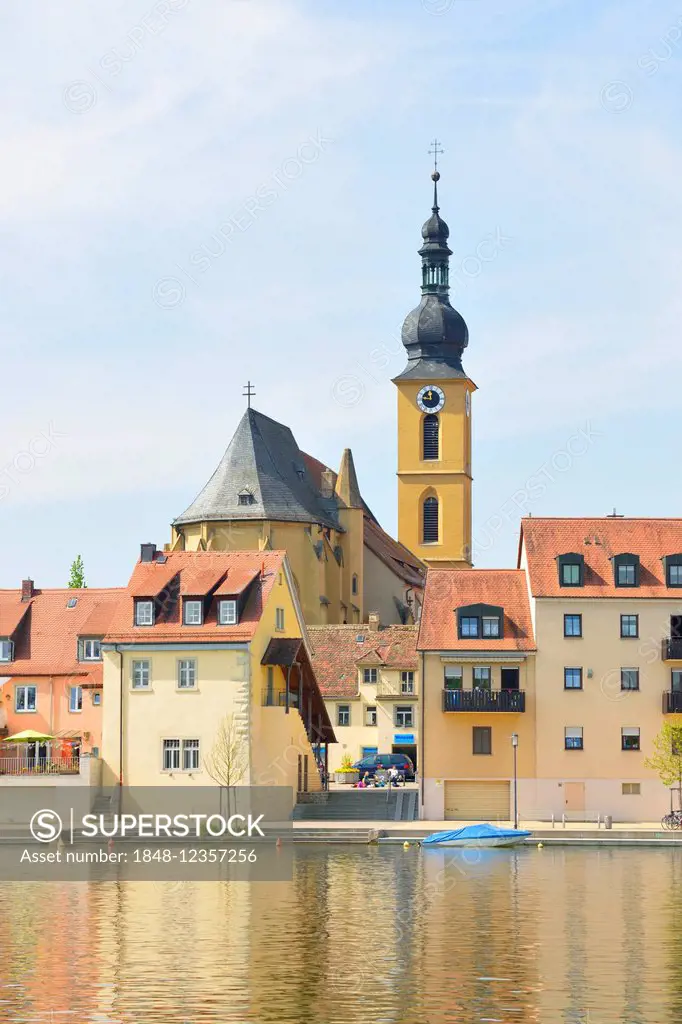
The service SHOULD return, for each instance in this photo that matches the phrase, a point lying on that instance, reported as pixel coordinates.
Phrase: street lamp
(515, 744)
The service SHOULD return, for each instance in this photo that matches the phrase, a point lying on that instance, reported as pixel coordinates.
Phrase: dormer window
(571, 570)
(480, 620)
(6, 650)
(246, 497)
(144, 613)
(491, 625)
(227, 613)
(193, 613)
(673, 570)
(626, 570)
(92, 650)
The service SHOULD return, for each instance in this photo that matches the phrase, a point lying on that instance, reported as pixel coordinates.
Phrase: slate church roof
(263, 464)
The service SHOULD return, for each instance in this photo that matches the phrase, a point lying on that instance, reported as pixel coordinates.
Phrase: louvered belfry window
(431, 436)
(431, 520)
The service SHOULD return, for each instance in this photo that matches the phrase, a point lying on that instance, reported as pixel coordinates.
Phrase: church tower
(434, 414)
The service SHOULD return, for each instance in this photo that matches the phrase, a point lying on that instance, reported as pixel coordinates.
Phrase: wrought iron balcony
(484, 700)
(672, 649)
(672, 702)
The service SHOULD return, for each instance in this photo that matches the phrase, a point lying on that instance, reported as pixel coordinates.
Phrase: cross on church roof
(248, 392)
(436, 152)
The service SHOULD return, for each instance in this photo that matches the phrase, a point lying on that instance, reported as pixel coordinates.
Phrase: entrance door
(574, 797)
(509, 678)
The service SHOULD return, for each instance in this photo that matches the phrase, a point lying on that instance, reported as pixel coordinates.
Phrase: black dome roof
(435, 229)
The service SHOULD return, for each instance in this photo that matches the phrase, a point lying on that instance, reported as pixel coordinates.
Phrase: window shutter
(431, 520)
(430, 437)
(81, 650)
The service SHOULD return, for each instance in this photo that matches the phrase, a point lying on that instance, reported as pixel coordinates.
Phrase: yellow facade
(230, 681)
(447, 478)
(447, 748)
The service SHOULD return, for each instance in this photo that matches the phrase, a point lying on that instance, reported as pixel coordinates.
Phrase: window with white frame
(6, 650)
(404, 716)
(187, 674)
(144, 613)
(370, 715)
(279, 618)
(92, 650)
(190, 755)
(141, 675)
(75, 698)
(343, 714)
(171, 755)
(407, 682)
(369, 675)
(97, 698)
(25, 698)
(227, 613)
(193, 613)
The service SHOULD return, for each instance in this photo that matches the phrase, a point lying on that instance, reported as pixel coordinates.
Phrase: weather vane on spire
(436, 152)
(248, 392)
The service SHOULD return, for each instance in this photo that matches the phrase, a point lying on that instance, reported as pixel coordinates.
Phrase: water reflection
(571, 936)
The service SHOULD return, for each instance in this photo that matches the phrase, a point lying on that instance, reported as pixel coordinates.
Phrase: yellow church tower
(434, 414)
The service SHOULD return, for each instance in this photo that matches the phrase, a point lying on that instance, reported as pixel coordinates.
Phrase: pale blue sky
(135, 130)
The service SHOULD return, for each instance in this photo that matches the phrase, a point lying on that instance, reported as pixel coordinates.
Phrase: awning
(282, 651)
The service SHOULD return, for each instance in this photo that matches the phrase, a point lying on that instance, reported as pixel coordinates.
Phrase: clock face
(431, 399)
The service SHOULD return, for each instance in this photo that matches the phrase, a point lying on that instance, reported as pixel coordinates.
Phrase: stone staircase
(362, 805)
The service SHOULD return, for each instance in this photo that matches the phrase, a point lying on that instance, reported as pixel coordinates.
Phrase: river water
(361, 934)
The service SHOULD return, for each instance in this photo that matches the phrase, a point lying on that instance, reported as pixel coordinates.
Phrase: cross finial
(248, 393)
(435, 153)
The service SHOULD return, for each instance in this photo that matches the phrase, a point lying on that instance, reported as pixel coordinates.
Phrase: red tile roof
(150, 578)
(237, 580)
(12, 612)
(201, 581)
(46, 642)
(168, 626)
(449, 589)
(337, 653)
(598, 540)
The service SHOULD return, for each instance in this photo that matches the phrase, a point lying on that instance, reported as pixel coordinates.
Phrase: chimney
(374, 621)
(327, 484)
(27, 590)
(147, 552)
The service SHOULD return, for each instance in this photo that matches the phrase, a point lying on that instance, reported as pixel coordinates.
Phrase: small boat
(477, 835)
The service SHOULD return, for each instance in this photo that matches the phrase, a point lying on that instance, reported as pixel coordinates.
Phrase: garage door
(477, 801)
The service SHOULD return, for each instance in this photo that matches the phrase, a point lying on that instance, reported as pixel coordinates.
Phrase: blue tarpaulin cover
(475, 832)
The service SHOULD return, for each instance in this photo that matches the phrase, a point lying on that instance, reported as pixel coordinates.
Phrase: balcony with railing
(39, 765)
(672, 648)
(672, 702)
(484, 700)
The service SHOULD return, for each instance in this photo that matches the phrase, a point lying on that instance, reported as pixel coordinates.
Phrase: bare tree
(228, 761)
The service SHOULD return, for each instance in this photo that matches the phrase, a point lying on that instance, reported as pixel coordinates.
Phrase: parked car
(382, 762)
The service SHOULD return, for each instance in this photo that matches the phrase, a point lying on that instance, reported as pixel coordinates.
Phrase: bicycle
(672, 821)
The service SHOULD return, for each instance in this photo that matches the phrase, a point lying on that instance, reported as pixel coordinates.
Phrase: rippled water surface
(361, 934)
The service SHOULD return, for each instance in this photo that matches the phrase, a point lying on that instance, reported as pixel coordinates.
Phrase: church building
(267, 494)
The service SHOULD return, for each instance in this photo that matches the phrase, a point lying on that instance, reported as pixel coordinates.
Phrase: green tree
(667, 757)
(77, 577)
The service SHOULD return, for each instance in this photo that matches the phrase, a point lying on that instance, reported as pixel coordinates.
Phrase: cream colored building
(200, 639)
(369, 677)
(606, 601)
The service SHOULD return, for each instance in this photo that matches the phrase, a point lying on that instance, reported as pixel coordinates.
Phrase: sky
(197, 193)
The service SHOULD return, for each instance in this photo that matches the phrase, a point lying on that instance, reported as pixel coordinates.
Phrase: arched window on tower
(430, 521)
(430, 448)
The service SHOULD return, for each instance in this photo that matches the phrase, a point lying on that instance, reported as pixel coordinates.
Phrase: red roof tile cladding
(449, 589)
(237, 580)
(337, 653)
(46, 642)
(168, 626)
(598, 540)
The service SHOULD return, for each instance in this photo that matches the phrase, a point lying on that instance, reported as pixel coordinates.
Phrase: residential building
(606, 601)
(477, 650)
(434, 415)
(369, 676)
(207, 641)
(267, 494)
(51, 676)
